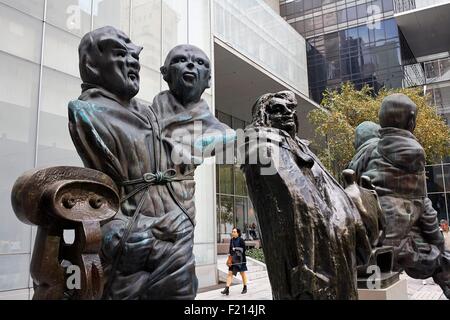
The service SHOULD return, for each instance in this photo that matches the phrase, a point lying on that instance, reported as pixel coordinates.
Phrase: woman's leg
(229, 278)
(244, 278)
(244, 282)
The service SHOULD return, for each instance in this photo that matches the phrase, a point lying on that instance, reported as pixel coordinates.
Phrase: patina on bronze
(60, 198)
(381, 259)
(147, 247)
(312, 233)
(395, 164)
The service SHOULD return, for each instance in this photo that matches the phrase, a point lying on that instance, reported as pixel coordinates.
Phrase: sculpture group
(318, 238)
(133, 210)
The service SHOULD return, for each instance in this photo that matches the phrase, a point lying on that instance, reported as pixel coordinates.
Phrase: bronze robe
(126, 142)
(309, 225)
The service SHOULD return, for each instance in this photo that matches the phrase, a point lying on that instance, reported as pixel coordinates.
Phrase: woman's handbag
(229, 261)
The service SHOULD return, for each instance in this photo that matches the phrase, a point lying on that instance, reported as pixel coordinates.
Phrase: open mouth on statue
(189, 77)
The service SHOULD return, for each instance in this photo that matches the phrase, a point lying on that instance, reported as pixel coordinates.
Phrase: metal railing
(252, 28)
(428, 72)
(404, 5)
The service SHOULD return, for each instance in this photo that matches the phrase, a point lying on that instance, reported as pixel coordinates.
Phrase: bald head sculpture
(398, 111)
(108, 59)
(187, 71)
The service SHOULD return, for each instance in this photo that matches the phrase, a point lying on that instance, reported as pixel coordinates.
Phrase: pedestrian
(445, 232)
(253, 231)
(237, 261)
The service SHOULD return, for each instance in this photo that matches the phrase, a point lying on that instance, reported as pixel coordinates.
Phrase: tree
(344, 109)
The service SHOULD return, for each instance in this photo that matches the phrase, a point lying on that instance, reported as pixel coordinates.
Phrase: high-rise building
(391, 43)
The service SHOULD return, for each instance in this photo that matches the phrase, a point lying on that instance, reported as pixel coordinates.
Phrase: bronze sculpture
(395, 163)
(312, 233)
(147, 247)
(59, 198)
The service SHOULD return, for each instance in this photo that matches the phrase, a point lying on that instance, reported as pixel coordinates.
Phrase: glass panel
(309, 25)
(330, 19)
(388, 5)
(19, 83)
(33, 7)
(199, 25)
(300, 26)
(226, 179)
(73, 16)
(252, 222)
(114, 13)
(363, 33)
(61, 51)
(146, 32)
(204, 253)
(21, 34)
(225, 118)
(435, 182)
(342, 16)
(438, 200)
(240, 211)
(237, 124)
(318, 24)
(317, 3)
(448, 208)
(391, 28)
(225, 211)
(308, 4)
(57, 90)
(351, 13)
(259, 33)
(361, 11)
(241, 186)
(14, 272)
(174, 24)
(217, 210)
(379, 32)
(447, 177)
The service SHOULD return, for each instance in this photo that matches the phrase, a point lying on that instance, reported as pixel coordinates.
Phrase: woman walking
(237, 261)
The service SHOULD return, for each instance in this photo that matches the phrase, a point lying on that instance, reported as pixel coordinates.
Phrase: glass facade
(355, 41)
(233, 206)
(259, 33)
(438, 187)
(359, 54)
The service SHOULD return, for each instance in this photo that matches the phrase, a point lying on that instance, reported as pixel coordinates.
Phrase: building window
(233, 206)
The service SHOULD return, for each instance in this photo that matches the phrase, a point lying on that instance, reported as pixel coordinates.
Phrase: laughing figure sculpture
(147, 248)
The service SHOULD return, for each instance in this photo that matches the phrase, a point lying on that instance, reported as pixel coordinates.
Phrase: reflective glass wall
(438, 187)
(39, 63)
(233, 205)
(355, 41)
(362, 55)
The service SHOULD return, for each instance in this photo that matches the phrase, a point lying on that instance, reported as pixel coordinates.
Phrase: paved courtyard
(259, 289)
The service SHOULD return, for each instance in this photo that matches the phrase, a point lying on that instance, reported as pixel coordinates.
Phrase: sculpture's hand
(353, 191)
(136, 251)
(136, 248)
(172, 226)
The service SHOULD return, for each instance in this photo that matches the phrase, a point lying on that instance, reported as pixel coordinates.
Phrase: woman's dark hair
(238, 231)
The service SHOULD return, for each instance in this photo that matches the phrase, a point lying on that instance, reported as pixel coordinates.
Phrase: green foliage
(345, 109)
(256, 254)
